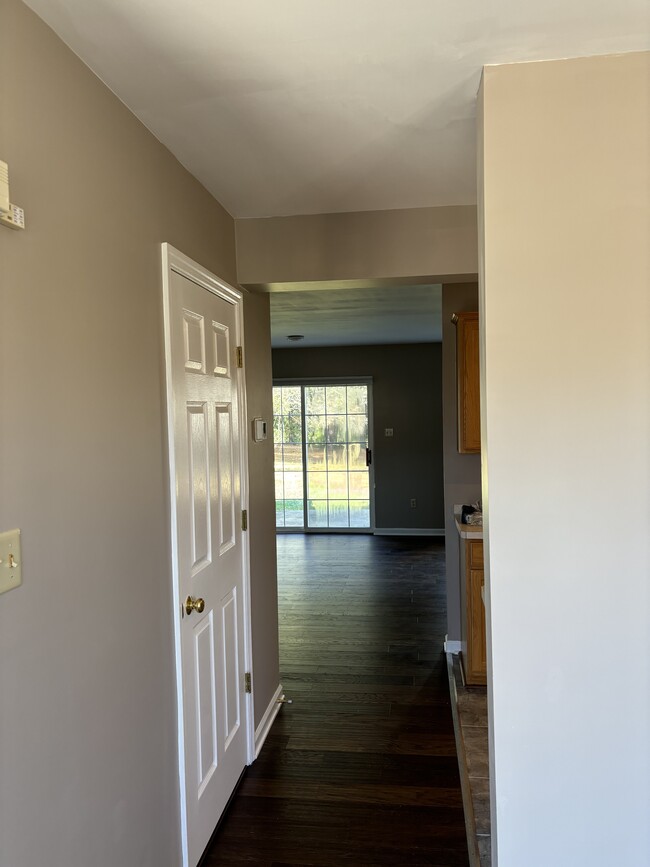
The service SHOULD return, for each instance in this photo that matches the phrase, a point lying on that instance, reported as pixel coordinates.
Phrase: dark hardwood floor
(361, 769)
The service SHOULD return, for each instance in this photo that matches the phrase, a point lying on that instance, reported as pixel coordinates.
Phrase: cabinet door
(476, 661)
(469, 409)
(476, 653)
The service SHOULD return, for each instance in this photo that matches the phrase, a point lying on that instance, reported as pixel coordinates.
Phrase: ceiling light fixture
(295, 337)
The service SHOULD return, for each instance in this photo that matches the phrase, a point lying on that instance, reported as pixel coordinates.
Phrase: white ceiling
(357, 317)
(308, 106)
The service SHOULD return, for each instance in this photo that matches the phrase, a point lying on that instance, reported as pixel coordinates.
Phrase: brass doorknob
(197, 605)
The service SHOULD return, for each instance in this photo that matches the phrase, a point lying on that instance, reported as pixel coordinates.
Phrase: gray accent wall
(462, 472)
(407, 396)
(88, 734)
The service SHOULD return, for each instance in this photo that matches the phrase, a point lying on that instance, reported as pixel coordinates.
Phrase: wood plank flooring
(361, 769)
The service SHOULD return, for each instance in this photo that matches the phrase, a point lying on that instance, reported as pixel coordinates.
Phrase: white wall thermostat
(259, 430)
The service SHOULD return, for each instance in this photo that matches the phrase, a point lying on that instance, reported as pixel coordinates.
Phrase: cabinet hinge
(247, 682)
(244, 519)
(240, 357)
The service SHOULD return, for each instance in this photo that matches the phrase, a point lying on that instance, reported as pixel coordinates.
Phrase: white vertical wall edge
(267, 720)
(174, 260)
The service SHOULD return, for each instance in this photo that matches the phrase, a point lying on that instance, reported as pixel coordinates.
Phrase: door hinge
(240, 357)
(247, 682)
(244, 519)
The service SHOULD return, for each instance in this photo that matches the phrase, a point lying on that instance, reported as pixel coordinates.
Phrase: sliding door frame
(333, 380)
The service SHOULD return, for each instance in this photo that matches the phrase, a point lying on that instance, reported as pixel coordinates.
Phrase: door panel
(225, 475)
(210, 558)
(221, 337)
(206, 715)
(231, 667)
(194, 341)
(197, 440)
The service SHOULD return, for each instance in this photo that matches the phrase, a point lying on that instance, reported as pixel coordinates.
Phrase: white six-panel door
(203, 331)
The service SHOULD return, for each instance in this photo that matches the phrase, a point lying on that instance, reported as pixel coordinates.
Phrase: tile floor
(471, 716)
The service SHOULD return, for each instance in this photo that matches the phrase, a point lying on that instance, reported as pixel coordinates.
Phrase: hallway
(361, 769)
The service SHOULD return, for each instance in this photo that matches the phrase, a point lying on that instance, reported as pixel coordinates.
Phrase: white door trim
(174, 261)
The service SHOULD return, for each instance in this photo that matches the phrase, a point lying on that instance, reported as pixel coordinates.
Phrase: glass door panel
(288, 450)
(321, 442)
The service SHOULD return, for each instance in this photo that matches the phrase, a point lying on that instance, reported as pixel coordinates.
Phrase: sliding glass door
(322, 455)
(288, 456)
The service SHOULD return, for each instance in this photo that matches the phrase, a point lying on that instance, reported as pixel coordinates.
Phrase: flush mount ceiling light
(295, 337)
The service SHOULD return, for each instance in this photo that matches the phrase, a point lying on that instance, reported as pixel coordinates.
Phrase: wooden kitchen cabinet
(467, 366)
(473, 647)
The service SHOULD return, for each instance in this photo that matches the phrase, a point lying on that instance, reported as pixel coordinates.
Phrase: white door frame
(174, 261)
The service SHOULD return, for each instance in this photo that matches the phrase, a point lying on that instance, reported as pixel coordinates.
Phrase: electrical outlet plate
(11, 561)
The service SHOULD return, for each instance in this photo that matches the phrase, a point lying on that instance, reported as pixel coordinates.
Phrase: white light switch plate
(11, 561)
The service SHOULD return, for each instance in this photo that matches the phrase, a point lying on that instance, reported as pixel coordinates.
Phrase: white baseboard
(409, 531)
(452, 646)
(267, 720)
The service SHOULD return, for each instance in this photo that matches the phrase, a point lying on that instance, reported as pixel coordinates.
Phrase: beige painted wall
(565, 306)
(364, 248)
(87, 710)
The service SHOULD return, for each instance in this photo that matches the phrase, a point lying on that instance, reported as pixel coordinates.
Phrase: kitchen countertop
(466, 531)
